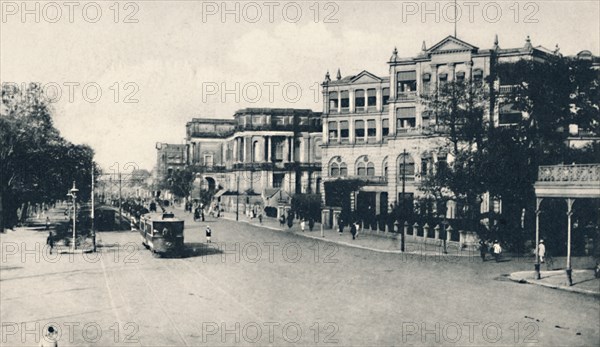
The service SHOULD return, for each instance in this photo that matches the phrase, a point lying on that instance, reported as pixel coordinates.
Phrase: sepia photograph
(343, 173)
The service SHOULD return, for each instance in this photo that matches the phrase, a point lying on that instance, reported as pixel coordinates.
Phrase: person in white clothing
(542, 251)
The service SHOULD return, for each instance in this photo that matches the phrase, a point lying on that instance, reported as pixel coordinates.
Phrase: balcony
(569, 173)
(406, 96)
(568, 181)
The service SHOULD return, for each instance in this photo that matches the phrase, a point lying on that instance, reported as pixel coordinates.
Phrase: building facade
(376, 129)
(259, 153)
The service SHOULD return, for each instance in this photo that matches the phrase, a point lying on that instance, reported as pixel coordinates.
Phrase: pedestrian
(357, 226)
(483, 249)
(47, 223)
(260, 217)
(50, 241)
(49, 338)
(497, 249)
(208, 233)
(353, 230)
(303, 225)
(282, 220)
(341, 226)
(542, 251)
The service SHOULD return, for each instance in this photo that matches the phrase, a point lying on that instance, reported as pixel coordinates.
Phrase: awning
(220, 192)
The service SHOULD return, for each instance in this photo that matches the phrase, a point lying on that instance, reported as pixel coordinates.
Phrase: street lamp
(73, 193)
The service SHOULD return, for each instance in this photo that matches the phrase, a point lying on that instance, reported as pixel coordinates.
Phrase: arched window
(385, 168)
(370, 169)
(334, 170)
(406, 167)
(361, 169)
(343, 170)
(364, 167)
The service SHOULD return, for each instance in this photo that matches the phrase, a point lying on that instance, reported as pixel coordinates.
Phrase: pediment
(365, 77)
(451, 44)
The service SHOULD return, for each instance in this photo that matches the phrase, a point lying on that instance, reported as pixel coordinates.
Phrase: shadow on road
(195, 249)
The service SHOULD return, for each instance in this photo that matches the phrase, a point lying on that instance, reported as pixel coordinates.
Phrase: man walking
(50, 241)
(542, 251)
(497, 250)
(483, 249)
(303, 225)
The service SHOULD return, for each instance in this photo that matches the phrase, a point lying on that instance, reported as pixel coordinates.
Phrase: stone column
(269, 145)
(286, 145)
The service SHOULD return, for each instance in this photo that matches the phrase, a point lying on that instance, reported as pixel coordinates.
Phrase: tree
(36, 164)
(459, 110)
(307, 206)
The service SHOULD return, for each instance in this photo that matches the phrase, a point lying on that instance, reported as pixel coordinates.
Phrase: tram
(162, 233)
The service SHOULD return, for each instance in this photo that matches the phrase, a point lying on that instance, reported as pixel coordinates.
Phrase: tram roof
(159, 216)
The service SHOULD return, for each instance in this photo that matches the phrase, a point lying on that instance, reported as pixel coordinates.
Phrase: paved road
(259, 287)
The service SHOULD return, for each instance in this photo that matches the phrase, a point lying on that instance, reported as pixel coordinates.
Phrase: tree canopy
(37, 165)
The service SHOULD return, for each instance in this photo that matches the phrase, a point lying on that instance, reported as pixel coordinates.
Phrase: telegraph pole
(403, 197)
(93, 207)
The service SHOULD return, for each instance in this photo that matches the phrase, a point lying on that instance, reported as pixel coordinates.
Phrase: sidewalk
(583, 280)
(377, 241)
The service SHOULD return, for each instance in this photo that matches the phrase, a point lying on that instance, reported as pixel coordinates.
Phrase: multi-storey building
(259, 153)
(169, 158)
(376, 129)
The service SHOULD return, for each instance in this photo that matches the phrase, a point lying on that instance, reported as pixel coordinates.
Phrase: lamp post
(73, 193)
(237, 196)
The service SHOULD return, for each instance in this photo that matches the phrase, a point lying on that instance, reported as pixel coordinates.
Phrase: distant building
(169, 158)
(375, 128)
(259, 149)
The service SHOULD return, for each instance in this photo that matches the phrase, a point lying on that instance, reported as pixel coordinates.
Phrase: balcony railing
(569, 173)
(406, 96)
(507, 89)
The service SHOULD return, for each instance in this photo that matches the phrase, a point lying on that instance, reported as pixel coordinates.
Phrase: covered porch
(568, 182)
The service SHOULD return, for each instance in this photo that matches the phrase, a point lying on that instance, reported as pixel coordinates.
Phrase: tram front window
(168, 229)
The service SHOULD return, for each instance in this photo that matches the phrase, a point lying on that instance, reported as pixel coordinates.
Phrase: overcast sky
(164, 62)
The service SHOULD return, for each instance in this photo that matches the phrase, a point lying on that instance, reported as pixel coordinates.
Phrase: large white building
(375, 128)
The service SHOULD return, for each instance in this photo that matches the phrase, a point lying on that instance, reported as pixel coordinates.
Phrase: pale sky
(176, 53)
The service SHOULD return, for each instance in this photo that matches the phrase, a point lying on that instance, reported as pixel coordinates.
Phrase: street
(255, 286)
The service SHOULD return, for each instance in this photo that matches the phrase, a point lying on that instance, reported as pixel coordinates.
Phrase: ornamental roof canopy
(451, 44)
(363, 77)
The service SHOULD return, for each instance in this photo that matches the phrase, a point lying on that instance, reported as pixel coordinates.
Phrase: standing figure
(542, 251)
(208, 233)
(353, 230)
(47, 223)
(50, 241)
(483, 249)
(497, 250)
(260, 217)
(303, 225)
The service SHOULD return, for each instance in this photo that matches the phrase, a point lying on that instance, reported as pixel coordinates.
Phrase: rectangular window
(407, 82)
(359, 130)
(345, 100)
(277, 180)
(279, 151)
(344, 133)
(443, 77)
(442, 164)
(460, 76)
(424, 166)
(508, 115)
(333, 130)
(359, 100)
(477, 75)
(208, 160)
(371, 129)
(333, 102)
(371, 98)
(405, 118)
(385, 92)
(385, 127)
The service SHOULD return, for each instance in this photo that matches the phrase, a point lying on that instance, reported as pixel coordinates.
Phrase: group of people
(354, 228)
(494, 249)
